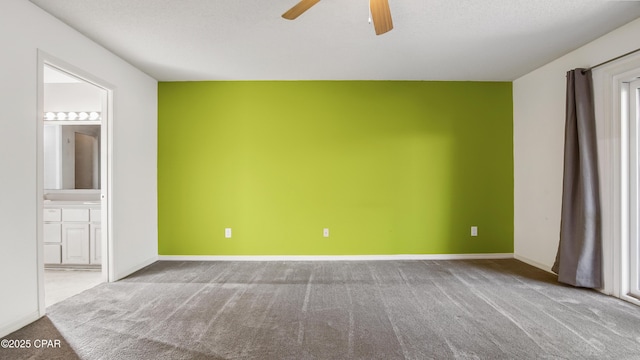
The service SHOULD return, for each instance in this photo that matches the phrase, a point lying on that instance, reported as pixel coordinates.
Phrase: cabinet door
(95, 248)
(75, 243)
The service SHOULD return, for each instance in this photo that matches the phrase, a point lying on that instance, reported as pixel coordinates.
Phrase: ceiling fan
(380, 13)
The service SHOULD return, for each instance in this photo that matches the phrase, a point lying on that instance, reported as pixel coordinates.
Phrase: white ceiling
(495, 40)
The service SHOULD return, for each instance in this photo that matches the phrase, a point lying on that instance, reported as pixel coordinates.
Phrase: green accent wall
(390, 167)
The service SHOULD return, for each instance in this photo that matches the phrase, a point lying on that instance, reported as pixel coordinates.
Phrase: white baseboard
(534, 263)
(123, 274)
(333, 257)
(19, 324)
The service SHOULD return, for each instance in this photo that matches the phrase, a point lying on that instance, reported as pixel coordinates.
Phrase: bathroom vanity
(72, 229)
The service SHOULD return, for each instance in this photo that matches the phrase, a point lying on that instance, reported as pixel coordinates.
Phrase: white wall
(538, 130)
(24, 29)
(72, 97)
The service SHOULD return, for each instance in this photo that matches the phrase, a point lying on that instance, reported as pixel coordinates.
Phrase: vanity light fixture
(73, 115)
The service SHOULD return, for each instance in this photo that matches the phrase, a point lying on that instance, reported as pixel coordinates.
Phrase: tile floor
(62, 284)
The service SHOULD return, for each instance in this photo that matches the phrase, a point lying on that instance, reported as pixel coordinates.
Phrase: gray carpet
(480, 309)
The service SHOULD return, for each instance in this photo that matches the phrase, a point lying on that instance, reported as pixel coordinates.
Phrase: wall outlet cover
(474, 231)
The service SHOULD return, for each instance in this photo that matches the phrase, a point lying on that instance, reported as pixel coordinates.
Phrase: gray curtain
(579, 258)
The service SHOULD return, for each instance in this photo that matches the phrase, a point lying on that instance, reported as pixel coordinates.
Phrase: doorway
(73, 182)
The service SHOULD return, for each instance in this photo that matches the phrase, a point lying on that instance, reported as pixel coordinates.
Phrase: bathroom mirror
(71, 157)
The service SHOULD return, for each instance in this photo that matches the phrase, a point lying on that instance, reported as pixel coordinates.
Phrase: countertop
(69, 203)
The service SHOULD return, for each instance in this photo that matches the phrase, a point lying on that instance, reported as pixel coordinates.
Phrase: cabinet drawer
(75, 214)
(95, 215)
(52, 233)
(52, 254)
(51, 215)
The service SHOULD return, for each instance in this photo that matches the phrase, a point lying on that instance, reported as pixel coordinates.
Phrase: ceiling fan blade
(299, 8)
(381, 16)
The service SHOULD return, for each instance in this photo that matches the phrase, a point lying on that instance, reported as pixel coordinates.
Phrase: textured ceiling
(495, 40)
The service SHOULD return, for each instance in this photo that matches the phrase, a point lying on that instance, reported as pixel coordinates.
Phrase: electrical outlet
(325, 232)
(227, 233)
(474, 231)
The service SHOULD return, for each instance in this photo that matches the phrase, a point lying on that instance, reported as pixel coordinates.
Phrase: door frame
(106, 135)
(632, 90)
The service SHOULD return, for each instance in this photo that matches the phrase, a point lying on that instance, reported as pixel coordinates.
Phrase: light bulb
(84, 115)
(94, 115)
(72, 115)
(50, 116)
(61, 116)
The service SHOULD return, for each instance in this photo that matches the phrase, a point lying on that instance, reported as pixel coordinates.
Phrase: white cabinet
(75, 243)
(52, 232)
(52, 242)
(74, 215)
(52, 254)
(95, 244)
(72, 235)
(52, 215)
(95, 215)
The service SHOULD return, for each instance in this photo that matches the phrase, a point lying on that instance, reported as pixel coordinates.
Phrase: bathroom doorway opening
(73, 181)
